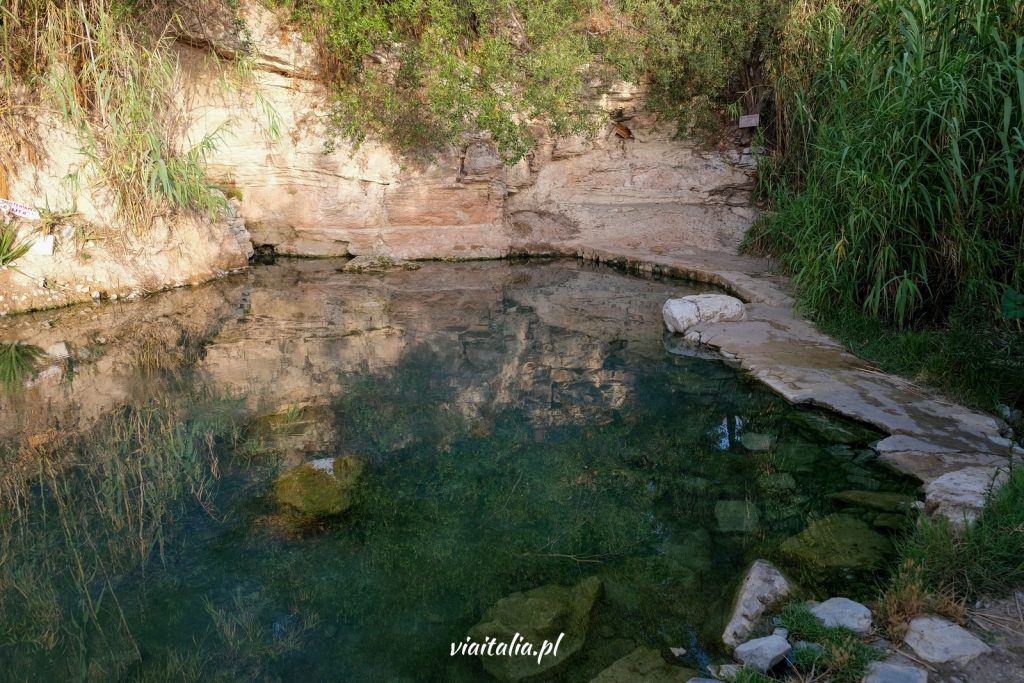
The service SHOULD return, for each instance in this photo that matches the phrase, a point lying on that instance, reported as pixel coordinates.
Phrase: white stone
(959, 496)
(885, 672)
(58, 350)
(42, 246)
(844, 612)
(938, 641)
(323, 464)
(682, 314)
(726, 672)
(762, 586)
(761, 654)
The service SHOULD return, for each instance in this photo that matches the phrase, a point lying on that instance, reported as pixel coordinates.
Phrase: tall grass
(113, 82)
(898, 188)
(78, 515)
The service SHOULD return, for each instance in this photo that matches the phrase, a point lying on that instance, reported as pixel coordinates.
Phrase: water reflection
(523, 425)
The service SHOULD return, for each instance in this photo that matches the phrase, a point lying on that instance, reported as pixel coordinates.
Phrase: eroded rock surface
(938, 641)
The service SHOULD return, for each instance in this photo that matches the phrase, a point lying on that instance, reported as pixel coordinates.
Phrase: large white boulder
(763, 586)
(682, 314)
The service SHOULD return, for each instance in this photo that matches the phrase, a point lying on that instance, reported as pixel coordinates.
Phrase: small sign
(750, 121)
(16, 209)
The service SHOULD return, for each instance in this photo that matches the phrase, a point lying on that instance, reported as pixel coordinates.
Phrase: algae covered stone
(837, 543)
(537, 615)
(319, 489)
(644, 665)
(830, 428)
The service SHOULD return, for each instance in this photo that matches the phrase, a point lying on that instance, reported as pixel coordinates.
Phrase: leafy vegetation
(10, 248)
(895, 191)
(421, 73)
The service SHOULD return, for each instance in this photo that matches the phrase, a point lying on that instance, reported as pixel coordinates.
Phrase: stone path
(697, 238)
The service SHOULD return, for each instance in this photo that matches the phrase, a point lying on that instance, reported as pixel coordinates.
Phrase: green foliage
(10, 249)
(899, 188)
(986, 557)
(843, 658)
(18, 364)
(422, 73)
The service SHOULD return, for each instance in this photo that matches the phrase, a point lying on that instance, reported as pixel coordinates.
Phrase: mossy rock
(837, 547)
(644, 665)
(875, 500)
(319, 489)
(537, 615)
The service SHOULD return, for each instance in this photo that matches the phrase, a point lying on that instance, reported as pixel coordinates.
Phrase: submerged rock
(739, 516)
(643, 665)
(831, 428)
(837, 542)
(876, 500)
(938, 641)
(682, 314)
(321, 488)
(537, 615)
(763, 586)
(753, 441)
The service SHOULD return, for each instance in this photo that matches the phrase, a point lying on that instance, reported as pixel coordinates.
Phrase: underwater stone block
(737, 516)
(537, 615)
(643, 665)
(837, 542)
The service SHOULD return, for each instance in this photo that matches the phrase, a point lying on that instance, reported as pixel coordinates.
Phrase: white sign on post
(750, 121)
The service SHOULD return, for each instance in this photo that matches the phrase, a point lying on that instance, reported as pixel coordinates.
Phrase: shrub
(898, 185)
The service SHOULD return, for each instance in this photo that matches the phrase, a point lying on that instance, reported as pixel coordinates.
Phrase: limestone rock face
(938, 641)
(643, 665)
(537, 615)
(682, 314)
(762, 586)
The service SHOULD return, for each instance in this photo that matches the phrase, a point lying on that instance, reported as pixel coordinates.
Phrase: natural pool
(522, 424)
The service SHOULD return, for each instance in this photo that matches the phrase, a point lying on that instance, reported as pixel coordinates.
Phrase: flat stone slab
(959, 496)
(938, 641)
(762, 586)
(884, 672)
(845, 613)
(753, 441)
(682, 314)
(761, 654)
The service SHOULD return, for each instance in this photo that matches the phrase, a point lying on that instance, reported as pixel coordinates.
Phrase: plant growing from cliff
(10, 248)
(423, 73)
(113, 82)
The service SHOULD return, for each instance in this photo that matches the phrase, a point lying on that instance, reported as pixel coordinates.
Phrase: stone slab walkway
(928, 435)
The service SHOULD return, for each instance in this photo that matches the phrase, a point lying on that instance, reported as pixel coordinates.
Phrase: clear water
(524, 425)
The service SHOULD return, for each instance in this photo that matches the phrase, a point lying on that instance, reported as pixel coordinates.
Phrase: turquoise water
(524, 424)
